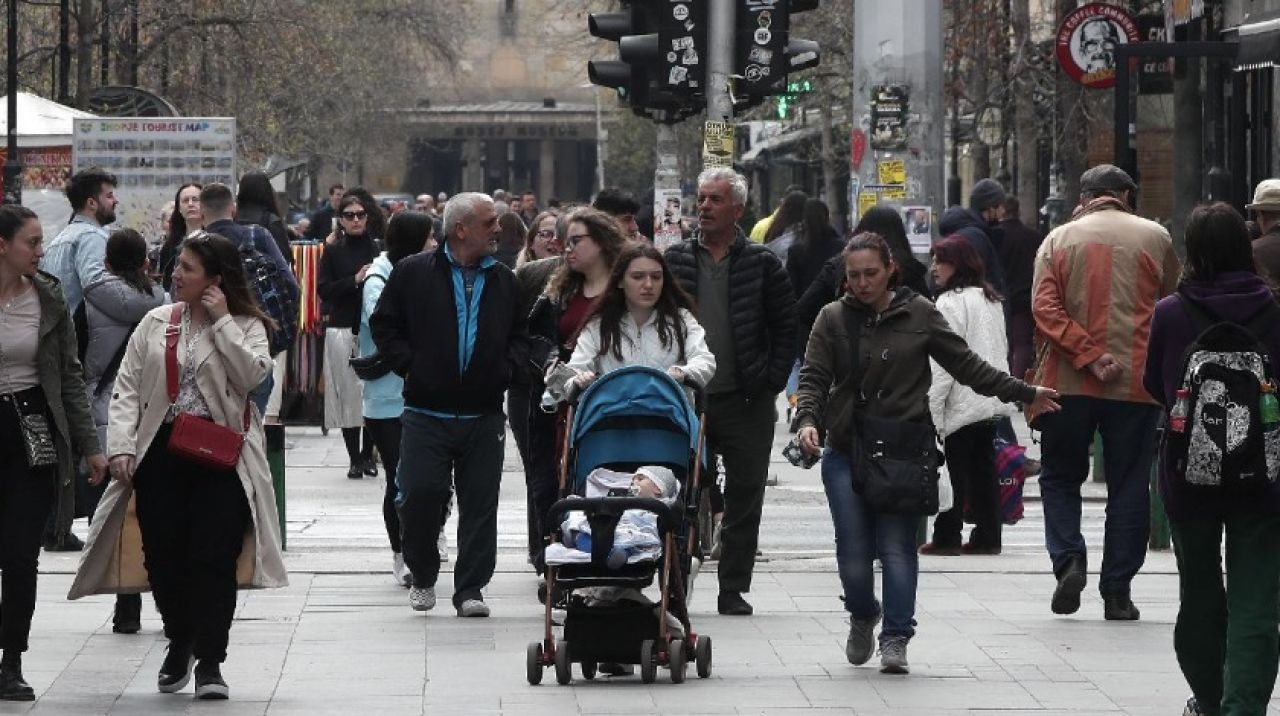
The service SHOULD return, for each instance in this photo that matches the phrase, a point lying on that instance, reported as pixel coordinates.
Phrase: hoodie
(112, 309)
(1235, 297)
(970, 224)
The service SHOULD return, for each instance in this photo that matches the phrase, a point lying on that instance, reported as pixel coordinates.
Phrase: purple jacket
(1236, 297)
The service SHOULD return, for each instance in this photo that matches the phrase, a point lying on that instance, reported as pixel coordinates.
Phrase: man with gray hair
(747, 306)
(448, 324)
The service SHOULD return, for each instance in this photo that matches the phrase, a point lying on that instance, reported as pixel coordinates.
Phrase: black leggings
(385, 435)
(351, 438)
(26, 497)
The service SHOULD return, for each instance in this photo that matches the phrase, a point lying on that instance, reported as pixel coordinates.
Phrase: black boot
(175, 672)
(12, 686)
(128, 614)
(1071, 581)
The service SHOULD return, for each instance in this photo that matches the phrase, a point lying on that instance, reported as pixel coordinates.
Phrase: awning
(1259, 45)
(772, 144)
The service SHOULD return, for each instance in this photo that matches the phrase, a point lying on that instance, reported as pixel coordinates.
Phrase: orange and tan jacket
(1097, 280)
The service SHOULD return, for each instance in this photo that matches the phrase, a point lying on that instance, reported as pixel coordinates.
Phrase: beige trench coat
(232, 358)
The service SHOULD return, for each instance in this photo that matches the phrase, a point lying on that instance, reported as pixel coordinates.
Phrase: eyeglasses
(546, 234)
(355, 215)
(573, 241)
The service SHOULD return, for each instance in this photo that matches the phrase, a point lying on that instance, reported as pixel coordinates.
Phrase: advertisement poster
(45, 171)
(667, 212)
(919, 223)
(717, 145)
(893, 171)
(152, 157)
(889, 118)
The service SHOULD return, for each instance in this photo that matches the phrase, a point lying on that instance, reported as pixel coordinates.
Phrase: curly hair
(565, 283)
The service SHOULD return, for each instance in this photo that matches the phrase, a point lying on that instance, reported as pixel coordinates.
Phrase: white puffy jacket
(641, 345)
(981, 324)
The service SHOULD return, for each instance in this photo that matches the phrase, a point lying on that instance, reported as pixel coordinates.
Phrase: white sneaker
(400, 571)
(422, 599)
(473, 608)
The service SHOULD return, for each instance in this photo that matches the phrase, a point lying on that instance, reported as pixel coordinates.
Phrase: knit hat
(986, 194)
(662, 477)
(1106, 177)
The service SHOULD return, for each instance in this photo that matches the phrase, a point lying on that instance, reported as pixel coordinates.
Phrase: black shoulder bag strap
(853, 324)
(109, 373)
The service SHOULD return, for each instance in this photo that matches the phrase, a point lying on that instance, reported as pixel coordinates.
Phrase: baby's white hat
(662, 477)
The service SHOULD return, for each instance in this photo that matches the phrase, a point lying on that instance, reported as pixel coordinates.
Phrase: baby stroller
(628, 418)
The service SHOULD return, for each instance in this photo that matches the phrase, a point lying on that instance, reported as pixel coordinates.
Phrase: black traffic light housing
(661, 55)
(766, 52)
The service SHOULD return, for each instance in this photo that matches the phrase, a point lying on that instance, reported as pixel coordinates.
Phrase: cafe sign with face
(1087, 41)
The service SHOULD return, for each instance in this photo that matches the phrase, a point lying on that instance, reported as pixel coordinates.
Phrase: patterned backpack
(277, 295)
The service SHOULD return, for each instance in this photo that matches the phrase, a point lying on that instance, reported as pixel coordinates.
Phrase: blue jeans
(861, 536)
(1128, 446)
(261, 394)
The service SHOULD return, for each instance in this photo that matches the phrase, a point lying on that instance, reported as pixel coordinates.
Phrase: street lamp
(12, 167)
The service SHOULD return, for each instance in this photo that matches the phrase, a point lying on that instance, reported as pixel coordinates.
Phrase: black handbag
(895, 462)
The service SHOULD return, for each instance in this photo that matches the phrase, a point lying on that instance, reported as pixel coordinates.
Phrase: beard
(105, 216)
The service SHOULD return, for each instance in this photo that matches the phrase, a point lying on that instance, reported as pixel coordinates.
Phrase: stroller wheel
(533, 663)
(702, 656)
(676, 658)
(564, 673)
(588, 670)
(648, 662)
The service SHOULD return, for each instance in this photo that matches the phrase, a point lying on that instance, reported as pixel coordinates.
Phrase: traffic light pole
(721, 16)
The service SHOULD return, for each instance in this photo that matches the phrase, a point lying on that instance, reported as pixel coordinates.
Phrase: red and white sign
(1087, 40)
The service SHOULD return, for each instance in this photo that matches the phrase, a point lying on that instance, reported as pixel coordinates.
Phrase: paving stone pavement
(341, 638)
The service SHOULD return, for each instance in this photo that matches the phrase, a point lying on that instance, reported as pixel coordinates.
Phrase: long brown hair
(565, 283)
(526, 253)
(956, 251)
(613, 305)
(221, 257)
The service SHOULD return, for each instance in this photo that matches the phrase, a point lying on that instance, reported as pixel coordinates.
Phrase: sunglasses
(355, 215)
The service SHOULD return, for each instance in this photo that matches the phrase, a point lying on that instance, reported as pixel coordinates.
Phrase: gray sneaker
(422, 599)
(861, 643)
(1193, 708)
(893, 655)
(473, 608)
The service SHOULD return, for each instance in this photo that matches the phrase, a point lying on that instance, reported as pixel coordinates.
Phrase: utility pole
(720, 41)
(666, 188)
(12, 166)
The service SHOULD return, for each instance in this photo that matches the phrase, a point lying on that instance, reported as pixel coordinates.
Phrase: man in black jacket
(448, 323)
(322, 220)
(747, 306)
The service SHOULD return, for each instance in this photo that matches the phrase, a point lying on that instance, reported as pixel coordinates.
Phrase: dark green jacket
(895, 348)
(62, 379)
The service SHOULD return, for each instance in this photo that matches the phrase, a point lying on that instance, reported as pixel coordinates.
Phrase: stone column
(546, 170)
(473, 170)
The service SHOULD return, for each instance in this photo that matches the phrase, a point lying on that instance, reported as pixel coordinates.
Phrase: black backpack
(1216, 436)
(277, 295)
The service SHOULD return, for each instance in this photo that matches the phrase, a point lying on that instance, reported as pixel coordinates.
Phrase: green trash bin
(275, 460)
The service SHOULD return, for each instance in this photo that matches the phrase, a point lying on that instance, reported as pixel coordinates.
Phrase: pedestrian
(1096, 284)
(218, 209)
(202, 524)
(425, 203)
(593, 242)
(1226, 634)
(888, 379)
(114, 305)
(761, 227)
(447, 322)
(965, 420)
(408, 233)
(343, 266)
(747, 307)
(540, 240)
(546, 235)
(529, 205)
(325, 219)
(621, 205)
(186, 218)
(646, 319)
(1017, 253)
(815, 243)
(44, 421)
(256, 204)
(75, 258)
(511, 239)
(1266, 248)
(978, 225)
(786, 223)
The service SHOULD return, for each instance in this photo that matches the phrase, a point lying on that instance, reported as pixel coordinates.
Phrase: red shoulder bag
(197, 439)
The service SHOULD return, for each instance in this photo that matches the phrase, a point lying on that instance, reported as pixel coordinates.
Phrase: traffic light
(766, 52)
(661, 50)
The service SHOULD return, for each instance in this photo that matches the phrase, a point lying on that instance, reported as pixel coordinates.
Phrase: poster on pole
(668, 209)
(889, 118)
(918, 221)
(152, 157)
(717, 145)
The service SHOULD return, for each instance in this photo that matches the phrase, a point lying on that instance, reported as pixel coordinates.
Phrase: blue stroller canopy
(633, 415)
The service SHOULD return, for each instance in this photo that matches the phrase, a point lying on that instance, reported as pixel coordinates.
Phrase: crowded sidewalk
(342, 639)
